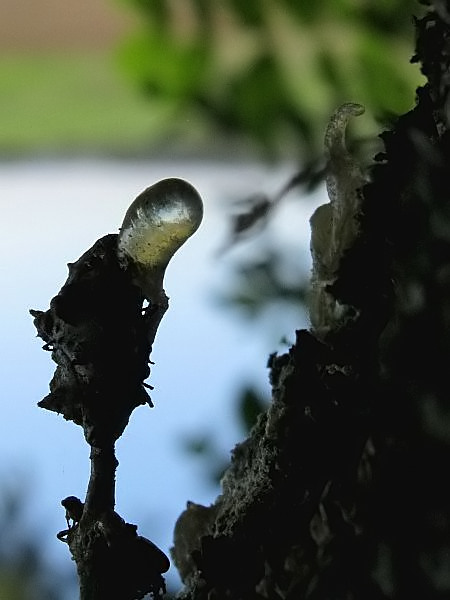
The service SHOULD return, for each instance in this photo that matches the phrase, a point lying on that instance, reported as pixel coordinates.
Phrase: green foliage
(273, 71)
(251, 13)
(168, 69)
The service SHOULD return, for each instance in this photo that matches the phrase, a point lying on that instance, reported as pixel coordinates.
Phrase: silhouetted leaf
(199, 444)
(250, 406)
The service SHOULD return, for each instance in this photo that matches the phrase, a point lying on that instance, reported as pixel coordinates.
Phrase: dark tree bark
(101, 339)
(340, 490)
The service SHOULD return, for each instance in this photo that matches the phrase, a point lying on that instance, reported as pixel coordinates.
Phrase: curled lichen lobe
(334, 141)
(335, 225)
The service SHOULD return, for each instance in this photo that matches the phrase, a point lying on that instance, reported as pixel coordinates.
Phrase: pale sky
(52, 212)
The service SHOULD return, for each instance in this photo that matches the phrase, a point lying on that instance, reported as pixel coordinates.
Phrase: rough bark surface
(340, 490)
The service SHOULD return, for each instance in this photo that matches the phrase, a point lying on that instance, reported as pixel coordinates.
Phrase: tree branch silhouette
(100, 336)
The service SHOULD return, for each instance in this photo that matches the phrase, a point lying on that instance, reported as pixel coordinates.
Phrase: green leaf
(389, 86)
(257, 98)
(304, 10)
(250, 12)
(164, 65)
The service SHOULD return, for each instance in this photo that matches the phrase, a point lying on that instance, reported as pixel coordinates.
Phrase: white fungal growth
(334, 226)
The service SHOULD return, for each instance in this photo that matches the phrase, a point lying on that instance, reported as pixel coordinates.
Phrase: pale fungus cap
(157, 223)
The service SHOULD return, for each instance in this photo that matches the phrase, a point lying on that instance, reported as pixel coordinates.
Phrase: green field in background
(71, 103)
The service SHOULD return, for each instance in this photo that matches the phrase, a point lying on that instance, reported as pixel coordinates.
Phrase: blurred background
(98, 100)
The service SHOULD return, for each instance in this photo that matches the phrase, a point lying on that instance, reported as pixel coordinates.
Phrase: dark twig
(101, 340)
